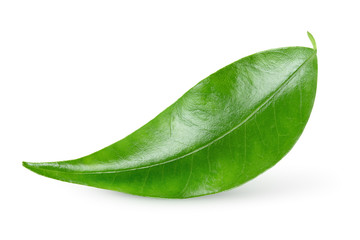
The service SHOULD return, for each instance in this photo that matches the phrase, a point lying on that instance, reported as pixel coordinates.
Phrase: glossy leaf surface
(226, 130)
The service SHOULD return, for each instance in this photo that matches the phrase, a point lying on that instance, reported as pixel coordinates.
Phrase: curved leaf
(226, 130)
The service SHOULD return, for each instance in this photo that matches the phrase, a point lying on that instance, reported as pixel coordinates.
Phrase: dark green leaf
(229, 128)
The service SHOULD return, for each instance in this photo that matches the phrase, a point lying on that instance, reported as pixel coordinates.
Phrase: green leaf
(226, 130)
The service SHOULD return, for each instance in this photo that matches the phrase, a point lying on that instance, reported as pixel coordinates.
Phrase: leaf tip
(32, 166)
(28, 165)
(312, 39)
(39, 168)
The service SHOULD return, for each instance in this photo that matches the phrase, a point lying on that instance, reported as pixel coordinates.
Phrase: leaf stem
(312, 39)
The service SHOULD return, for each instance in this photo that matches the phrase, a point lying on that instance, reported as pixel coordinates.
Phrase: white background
(77, 76)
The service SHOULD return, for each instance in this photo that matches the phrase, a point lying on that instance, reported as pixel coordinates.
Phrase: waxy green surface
(226, 130)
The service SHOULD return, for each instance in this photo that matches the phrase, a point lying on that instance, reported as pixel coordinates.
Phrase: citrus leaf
(226, 130)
